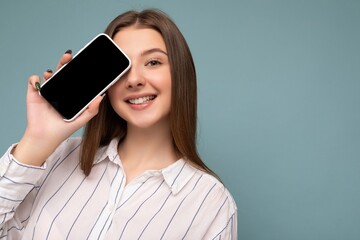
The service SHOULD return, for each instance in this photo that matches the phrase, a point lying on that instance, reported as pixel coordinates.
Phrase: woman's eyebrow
(152, 50)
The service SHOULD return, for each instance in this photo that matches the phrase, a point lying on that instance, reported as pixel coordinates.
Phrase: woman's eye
(153, 62)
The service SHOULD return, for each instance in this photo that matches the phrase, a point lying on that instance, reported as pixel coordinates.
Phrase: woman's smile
(141, 100)
(140, 103)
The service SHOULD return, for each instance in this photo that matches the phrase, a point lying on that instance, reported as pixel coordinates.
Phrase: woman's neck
(146, 149)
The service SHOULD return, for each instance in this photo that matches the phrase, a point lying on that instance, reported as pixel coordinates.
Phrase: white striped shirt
(57, 201)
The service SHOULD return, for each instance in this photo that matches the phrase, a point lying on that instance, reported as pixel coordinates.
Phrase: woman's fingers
(93, 108)
(91, 111)
(33, 90)
(32, 80)
(64, 59)
(47, 74)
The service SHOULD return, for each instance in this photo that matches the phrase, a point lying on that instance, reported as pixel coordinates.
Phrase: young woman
(135, 173)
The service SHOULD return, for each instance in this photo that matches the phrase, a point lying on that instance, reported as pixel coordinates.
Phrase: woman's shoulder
(214, 190)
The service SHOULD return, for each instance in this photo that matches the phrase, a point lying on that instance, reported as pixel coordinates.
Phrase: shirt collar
(176, 175)
(109, 151)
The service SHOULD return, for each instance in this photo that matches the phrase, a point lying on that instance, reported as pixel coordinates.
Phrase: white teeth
(141, 100)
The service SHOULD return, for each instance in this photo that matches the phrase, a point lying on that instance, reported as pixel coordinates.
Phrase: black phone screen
(95, 68)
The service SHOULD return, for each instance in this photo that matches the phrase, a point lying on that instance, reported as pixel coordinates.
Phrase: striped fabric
(57, 201)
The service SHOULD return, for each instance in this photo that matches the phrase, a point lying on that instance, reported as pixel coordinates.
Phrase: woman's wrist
(33, 152)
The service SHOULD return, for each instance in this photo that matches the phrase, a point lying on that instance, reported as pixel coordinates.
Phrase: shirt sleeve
(229, 229)
(224, 225)
(17, 180)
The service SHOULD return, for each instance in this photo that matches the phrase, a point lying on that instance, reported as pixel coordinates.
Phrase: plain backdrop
(279, 102)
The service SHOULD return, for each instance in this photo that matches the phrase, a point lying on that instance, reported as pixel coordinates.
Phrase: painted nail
(37, 85)
(68, 51)
(49, 71)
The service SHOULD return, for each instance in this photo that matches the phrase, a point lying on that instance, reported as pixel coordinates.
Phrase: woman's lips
(140, 103)
(141, 100)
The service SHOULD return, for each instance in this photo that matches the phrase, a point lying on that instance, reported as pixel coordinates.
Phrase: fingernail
(49, 71)
(37, 85)
(68, 51)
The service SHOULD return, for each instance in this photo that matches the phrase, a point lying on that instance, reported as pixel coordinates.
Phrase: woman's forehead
(137, 40)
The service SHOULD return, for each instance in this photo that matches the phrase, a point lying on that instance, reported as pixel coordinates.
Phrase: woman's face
(142, 97)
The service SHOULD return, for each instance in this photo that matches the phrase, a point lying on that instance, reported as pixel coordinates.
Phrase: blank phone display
(96, 67)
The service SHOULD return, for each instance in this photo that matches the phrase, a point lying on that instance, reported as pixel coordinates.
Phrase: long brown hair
(183, 113)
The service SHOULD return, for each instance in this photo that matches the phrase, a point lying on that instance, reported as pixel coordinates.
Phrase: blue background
(278, 91)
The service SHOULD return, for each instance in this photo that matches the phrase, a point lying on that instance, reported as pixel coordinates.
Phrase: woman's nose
(134, 78)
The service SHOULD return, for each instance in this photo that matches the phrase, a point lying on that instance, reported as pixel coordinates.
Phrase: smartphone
(97, 66)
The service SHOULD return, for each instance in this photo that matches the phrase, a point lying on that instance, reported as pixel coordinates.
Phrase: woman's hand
(46, 129)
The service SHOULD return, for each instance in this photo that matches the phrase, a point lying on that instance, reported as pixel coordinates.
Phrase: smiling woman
(148, 78)
(135, 173)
